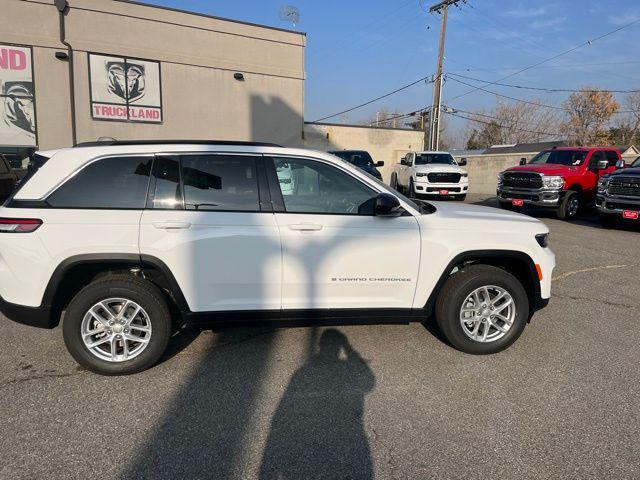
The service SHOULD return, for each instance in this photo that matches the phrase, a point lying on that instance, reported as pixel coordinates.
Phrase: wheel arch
(519, 264)
(75, 272)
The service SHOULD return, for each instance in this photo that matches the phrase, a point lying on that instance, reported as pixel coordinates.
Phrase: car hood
(461, 216)
(438, 168)
(545, 169)
(626, 171)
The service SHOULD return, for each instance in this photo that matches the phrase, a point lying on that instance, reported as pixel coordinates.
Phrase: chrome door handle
(171, 225)
(306, 227)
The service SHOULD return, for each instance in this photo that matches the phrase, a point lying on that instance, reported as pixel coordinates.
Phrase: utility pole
(434, 125)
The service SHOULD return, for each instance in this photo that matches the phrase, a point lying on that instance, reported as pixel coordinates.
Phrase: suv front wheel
(482, 309)
(117, 325)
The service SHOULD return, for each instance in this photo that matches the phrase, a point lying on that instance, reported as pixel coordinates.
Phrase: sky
(358, 50)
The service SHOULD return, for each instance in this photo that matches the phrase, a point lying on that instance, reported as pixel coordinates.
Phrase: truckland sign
(125, 89)
(17, 97)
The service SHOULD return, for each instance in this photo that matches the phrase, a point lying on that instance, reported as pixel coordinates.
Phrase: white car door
(335, 253)
(208, 222)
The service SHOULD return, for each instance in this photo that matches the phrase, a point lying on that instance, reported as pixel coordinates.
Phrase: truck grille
(627, 186)
(443, 177)
(522, 180)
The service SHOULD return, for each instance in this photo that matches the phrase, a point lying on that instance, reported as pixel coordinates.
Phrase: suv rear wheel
(482, 309)
(117, 325)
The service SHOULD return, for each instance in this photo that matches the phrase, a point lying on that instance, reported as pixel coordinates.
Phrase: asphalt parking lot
(352, 402)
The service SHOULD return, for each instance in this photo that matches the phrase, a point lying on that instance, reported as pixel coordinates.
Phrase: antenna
(289, 13)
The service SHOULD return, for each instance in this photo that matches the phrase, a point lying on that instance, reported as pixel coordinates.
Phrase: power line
(542, 89)
(423, 79)
(585, 43)
(565, 65)
(554, 107)
(501, 126)
(484, 115)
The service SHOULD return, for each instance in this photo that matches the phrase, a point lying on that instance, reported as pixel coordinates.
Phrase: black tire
(570, 206)
(608, 220)
(506, 206)
(394, 182)
(456, 290)
(412, 189)
(129, 287)
(461, 198)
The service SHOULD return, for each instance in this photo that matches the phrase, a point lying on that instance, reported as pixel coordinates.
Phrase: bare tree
(588, 115)
(510, 123)
(626, 130)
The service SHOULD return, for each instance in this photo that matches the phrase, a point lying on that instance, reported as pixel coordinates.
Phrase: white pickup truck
(432, 174)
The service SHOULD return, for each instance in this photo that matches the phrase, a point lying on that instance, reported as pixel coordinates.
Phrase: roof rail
(108, 143)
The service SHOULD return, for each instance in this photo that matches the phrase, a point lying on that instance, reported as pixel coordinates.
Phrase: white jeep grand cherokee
(134, 239)
(431, 174)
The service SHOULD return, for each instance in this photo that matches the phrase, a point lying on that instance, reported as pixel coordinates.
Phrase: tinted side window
(308, 186)
(168, 193)
(116, 182)
(220, 182)
(612, 157)
(595, 158)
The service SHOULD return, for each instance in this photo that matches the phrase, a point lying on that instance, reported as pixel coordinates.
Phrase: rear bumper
(539, 198)
(33, 316)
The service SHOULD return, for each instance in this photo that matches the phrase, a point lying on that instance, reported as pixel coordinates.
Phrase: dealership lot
(383, 401)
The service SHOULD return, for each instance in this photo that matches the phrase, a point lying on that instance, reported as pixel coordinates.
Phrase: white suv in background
(135, 239)
(431, 174)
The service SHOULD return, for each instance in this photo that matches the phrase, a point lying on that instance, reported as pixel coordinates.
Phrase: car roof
(429, 152)
(585, 149)
(64, 163)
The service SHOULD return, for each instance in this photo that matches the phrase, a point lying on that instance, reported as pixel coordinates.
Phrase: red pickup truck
(564, 179)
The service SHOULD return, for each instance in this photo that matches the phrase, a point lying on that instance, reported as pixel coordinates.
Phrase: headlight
(603, 183)
(543, 240)
(555, 183)
(421, 174)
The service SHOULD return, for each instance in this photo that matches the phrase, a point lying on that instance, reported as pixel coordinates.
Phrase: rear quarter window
(108, 183)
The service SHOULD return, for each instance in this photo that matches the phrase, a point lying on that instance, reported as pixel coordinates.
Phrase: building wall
(386, 144)
(199, 56)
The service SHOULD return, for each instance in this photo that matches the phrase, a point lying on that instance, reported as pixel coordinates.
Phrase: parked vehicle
(618, 196)
(362, 160)
(430, 174)
(564, 179)
(134, 239)
(8, 179)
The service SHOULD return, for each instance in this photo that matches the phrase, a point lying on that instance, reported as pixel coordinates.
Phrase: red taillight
(19, 225)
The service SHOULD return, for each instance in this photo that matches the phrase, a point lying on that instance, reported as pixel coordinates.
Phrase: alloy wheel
(116, 330)
(487, 314)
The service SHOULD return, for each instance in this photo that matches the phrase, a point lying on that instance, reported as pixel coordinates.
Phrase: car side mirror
(380, 164)
(403, 161)
(620, 164)
(387, 205)
(523, 161)
(462, 162)
(602, 165)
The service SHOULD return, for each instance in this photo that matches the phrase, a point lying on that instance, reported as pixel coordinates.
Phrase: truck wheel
(117, 325)
(394, 182)
(570, 206)
(482, 309)
(608, 221)
(412, 189)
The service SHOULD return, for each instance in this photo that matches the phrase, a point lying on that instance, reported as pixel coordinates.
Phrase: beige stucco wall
(199, 56)
(386, 144)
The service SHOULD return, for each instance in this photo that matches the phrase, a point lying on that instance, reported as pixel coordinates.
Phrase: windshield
(636, 163)
(359, 159)
(434, 159)
(570, 158)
